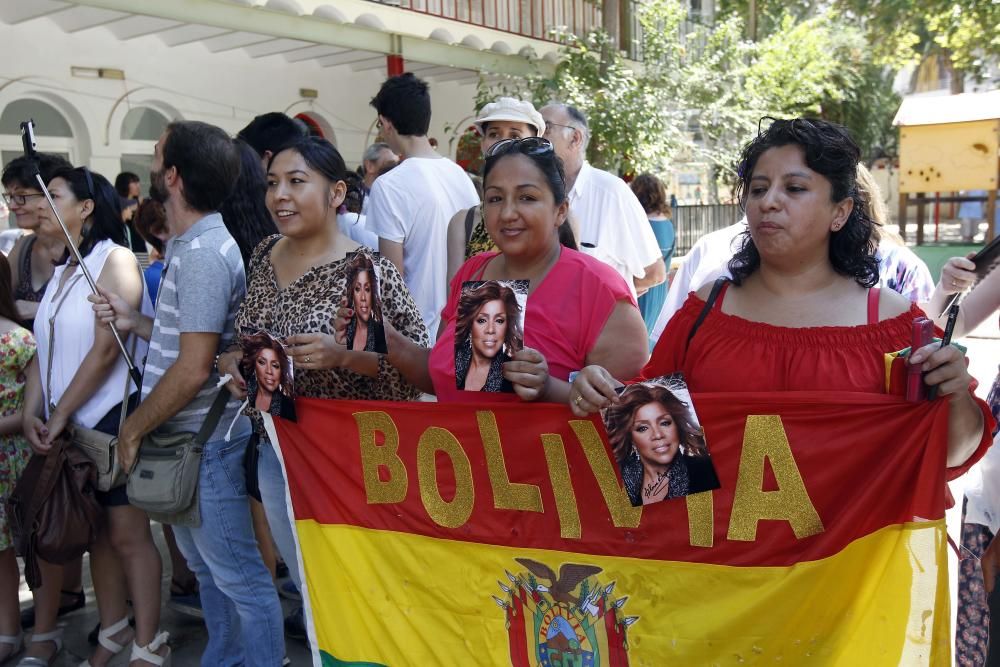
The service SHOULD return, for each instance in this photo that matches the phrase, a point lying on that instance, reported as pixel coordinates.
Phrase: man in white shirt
(612, 225)
(706, 261)
(411, 205)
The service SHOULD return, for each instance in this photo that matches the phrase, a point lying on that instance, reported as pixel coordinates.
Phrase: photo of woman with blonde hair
(488, 331)
(658, 444)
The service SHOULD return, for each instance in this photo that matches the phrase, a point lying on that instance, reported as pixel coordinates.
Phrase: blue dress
(651, 302)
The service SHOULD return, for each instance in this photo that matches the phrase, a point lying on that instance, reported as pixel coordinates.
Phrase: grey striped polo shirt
(202, 287)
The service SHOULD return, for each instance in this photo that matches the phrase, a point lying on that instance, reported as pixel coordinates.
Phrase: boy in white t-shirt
(409, 207)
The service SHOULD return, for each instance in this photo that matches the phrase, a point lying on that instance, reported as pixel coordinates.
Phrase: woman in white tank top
(79, 376)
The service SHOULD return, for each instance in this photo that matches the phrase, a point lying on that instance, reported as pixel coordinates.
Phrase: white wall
(226, 89)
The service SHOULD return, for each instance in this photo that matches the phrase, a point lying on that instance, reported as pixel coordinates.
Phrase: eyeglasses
(568, 127)
(20, 200)
(525, 146)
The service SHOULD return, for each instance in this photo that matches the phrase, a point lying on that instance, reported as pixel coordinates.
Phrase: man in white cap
(613, 226)
(507, 118)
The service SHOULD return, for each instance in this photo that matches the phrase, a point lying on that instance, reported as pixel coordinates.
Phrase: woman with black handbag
(77, 384)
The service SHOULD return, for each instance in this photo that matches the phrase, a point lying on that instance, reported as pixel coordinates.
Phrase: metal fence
(693, 222)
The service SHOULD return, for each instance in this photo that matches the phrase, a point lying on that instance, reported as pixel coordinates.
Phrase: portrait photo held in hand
(488, 331)
(267, 369)
(365, 331)
(657, 441)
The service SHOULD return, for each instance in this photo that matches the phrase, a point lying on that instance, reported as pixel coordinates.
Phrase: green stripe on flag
(330, 661)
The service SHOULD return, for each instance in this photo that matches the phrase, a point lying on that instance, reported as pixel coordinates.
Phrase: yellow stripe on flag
(401, 599)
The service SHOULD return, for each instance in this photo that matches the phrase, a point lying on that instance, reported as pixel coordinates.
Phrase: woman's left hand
(55, 426)
(528, 372)
(946, 367)
(315, 351)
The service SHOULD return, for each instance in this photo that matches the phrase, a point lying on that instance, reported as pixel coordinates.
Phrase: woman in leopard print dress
(294, 289)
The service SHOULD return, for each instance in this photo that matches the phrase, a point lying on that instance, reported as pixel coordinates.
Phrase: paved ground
(187, 635)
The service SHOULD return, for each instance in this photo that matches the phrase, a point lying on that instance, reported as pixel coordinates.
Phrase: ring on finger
(307, 359)
(576, 401)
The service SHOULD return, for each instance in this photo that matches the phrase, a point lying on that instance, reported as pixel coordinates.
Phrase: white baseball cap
(510, 109)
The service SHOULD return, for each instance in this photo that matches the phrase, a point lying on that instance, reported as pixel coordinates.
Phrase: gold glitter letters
(454, 513)
(562, 486)
(764, 438)
(375, 456)
(701, 519)
(507, 495)
(623, 515)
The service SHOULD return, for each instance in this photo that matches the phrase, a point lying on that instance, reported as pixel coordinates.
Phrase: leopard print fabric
(309, 305)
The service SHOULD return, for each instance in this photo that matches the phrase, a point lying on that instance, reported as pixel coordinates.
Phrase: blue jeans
(242, 611)
(272, 494)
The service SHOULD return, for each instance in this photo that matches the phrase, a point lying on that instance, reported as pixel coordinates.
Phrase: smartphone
(28, 138)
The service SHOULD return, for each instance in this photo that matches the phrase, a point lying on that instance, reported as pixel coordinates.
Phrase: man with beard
(195, 166)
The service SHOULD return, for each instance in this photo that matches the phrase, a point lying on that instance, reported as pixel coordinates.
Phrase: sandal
(16, 643)
(55, 637)
(104, 638)
(149, 651)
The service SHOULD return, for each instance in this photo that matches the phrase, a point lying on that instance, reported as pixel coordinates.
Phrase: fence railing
(528, 18)
(693, 222)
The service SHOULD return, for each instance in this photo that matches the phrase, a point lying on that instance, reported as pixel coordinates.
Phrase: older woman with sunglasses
(579, 311)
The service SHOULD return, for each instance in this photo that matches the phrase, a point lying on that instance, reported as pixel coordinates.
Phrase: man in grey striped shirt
(195, 165)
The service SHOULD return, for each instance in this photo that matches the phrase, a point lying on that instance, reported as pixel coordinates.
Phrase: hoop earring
(635, 452)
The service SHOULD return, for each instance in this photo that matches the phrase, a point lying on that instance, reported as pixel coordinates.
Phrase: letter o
(448, 514)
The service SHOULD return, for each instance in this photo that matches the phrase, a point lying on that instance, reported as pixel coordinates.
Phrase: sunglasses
(525, 146)
(20, 200)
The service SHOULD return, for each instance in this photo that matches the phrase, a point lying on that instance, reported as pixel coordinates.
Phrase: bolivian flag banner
(500, 534)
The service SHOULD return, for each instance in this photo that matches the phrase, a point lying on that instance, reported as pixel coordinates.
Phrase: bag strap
(709, 304)
(214, 415)
(470, 221)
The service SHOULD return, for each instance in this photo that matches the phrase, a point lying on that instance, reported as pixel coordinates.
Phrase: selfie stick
(28, 142)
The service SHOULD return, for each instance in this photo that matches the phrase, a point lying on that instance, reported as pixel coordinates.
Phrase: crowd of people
(260, 233)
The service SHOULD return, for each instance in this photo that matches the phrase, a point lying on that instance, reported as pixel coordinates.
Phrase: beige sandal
(149, 651)
(55, 637)
(16, 643)
(104, 638)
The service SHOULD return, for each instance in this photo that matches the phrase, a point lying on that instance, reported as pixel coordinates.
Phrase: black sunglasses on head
(525, 146)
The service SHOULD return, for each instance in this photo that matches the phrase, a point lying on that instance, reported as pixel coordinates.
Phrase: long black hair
(323, 157)
(831, 152)
(105, 221)
(245, 211)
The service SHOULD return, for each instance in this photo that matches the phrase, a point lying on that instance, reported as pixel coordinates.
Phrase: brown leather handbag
(54, 514)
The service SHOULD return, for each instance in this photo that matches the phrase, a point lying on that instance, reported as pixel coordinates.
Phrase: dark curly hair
(618, 420)
(830, 151)
(363, 262)
(252, 345)
(473, 299)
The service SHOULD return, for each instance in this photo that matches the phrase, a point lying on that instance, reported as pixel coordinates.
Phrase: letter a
(765, 438)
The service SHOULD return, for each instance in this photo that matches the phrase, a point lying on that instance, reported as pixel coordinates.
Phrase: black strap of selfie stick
(132, 370)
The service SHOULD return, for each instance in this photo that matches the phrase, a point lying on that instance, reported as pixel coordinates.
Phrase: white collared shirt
(613, 226)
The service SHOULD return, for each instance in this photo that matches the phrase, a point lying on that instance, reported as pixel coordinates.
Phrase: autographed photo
(658, 442)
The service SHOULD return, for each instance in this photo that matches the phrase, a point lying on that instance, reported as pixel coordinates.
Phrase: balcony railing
(528, 18)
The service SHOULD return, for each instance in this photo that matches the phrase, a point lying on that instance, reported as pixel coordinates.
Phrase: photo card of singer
(489, 329)
(658, 442)
(267, 369)
(366, 330)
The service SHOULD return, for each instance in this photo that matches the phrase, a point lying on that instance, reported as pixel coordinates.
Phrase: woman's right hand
(957, 275)
(229, 363)
(36, 435)
(109, 308)
(593, 389)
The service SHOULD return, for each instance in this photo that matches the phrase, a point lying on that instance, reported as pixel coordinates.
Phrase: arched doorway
(140, 129)
(53, 132)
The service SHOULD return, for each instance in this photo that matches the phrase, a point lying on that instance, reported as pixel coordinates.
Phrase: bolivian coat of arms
(565, 620)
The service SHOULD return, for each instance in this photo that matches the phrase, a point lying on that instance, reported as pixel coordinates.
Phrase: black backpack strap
(709, 304)
(470, 221)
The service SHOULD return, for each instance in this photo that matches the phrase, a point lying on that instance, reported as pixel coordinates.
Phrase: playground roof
(940, 109)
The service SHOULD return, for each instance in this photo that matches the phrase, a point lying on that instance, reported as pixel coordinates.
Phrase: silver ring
(576, 401)
(307, 359)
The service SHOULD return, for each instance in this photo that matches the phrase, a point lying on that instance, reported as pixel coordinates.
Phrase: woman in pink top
(578, 311)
